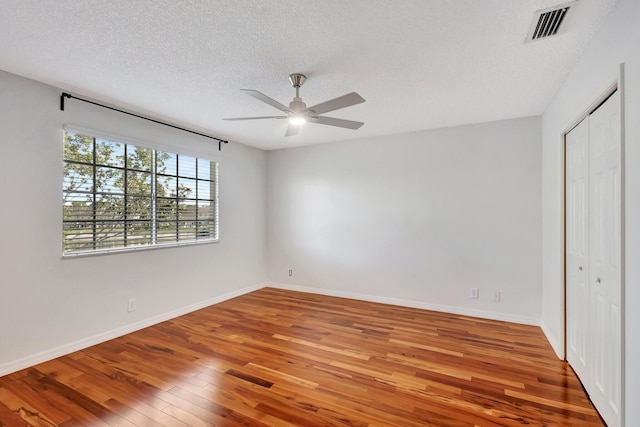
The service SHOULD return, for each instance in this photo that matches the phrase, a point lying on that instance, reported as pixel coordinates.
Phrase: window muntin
(120, 196)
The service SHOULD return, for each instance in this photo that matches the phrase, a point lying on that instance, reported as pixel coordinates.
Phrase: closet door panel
(605, 258)
(577, 270)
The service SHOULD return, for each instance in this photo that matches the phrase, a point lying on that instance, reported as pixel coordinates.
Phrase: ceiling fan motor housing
(297, 105)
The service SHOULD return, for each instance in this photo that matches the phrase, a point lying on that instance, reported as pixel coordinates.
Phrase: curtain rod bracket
(68, 95)
(62, 97)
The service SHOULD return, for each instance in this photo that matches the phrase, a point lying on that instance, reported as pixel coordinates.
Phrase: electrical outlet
(496, 296)
(473, 293)
(131, 305)
(290, 272)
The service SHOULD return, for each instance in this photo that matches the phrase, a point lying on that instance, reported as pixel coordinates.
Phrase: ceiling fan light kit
(298, 113)
(297, 120)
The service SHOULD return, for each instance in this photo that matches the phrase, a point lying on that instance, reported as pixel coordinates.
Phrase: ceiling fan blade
(256, 118)
(264, 98)
(332, 121)
(292, 130)
(337, 103)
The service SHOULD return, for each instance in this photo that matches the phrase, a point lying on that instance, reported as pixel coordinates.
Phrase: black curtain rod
(68, 95)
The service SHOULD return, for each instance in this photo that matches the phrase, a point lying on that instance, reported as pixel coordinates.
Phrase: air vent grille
(546, 23)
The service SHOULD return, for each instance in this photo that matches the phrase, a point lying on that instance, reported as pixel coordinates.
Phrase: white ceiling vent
(548, 22)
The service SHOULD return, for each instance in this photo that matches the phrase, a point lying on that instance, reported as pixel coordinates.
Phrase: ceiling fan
(298, 113)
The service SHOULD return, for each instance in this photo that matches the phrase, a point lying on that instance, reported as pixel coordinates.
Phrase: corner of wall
(553, 340)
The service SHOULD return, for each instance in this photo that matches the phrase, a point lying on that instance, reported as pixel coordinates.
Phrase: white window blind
(119, 196)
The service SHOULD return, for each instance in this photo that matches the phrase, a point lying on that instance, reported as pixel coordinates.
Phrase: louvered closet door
(605, 259)
(577, 269)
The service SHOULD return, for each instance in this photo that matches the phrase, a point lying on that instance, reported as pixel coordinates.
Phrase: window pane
(206, 210)
(78, 148)
(166, 209)
(109, 153)
(205, 229)
(139, 158)
(109, 234)
(139, 208)
(187, 230)
(204, 169)
(186, 188)
(167, 232)
(166, 186)
(138, 233)
(78, 177)
(78, 207)
(166, 163)
(109, 180)
(187, 210)
(138, 183)
(206, 190)
(77, 222)
(78, 238)
(109, 208)
(187, 166)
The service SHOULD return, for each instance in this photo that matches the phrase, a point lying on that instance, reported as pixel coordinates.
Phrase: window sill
(138, 248)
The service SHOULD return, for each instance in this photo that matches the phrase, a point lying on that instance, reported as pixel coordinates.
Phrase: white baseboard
(553, 341)
(25, 362)
(526, 320)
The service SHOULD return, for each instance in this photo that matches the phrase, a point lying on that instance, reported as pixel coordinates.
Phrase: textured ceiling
(420, 64)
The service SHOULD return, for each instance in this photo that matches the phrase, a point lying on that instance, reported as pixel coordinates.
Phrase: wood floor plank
(282, 358)
(10, 417)
(28, 413)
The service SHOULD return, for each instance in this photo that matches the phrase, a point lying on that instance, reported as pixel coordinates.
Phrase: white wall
(618, 41)
(48, 305)
(416, 218)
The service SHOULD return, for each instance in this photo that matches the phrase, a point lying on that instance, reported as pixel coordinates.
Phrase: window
(121, 196)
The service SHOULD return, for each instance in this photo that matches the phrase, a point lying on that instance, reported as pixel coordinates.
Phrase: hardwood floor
(282, 358)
